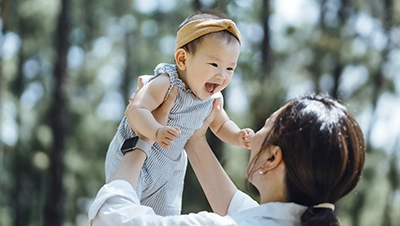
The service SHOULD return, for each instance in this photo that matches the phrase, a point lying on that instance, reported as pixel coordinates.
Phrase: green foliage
(347, 50)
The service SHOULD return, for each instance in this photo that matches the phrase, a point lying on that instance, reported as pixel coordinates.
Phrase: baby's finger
(165, 145)
(249, 133)
(172, 133)
(177, 129)
(248, 138)
(169, 138)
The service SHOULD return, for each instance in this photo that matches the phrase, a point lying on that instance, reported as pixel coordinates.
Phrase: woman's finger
(217, 106)
(161, 114)
(140, 84)
(169, 102)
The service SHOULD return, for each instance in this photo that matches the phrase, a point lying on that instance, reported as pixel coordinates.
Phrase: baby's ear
(180, 58)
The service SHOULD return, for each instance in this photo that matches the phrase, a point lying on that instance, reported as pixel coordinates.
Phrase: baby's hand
(165, 135)
(245, 137)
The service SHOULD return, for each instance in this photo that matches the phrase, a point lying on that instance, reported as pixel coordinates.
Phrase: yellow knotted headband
(197, 28)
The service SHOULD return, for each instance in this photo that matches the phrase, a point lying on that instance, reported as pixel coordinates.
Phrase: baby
(206, 53)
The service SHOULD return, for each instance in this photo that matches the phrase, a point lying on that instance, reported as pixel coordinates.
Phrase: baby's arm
(227, 130)
(139, 111)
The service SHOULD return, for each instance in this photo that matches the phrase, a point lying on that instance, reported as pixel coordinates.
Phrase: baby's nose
(221, 76)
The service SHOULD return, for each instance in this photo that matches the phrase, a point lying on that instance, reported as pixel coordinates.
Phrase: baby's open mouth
(210, 87)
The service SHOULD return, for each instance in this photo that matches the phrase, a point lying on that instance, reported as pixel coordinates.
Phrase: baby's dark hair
(191, 47)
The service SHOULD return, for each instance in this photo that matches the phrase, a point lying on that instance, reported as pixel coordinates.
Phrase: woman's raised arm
(217, 186)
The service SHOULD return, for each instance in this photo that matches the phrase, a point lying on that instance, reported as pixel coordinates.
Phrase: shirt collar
(277, 211)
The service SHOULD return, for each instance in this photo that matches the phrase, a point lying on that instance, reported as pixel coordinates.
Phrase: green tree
(67, 69)
(59, 120)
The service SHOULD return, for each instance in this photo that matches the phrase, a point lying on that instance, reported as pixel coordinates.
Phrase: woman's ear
(274, 158)
(180, 58)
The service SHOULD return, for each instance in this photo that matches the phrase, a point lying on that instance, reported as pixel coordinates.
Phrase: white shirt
(117, 204)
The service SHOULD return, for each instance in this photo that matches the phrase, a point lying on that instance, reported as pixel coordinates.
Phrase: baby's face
(211, 68)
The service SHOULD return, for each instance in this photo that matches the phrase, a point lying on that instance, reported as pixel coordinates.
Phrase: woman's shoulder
(245, 209)
(241, 201)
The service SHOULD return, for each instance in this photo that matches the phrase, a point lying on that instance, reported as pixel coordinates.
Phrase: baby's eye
(230, 69)
(214, 64)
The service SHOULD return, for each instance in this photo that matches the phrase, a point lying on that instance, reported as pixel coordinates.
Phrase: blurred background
(68, 68)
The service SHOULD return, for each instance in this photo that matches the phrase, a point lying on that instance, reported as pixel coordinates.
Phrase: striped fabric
(162, 188)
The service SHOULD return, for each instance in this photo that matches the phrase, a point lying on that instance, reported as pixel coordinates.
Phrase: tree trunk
(377, 85)
(3, 14)
(128, 72)
(378, 75)
(54, 211)
(259, 112)
(18, 168)
(394, 182)
(343, 15)
(266, 63)
(337, 72)
(394, 171)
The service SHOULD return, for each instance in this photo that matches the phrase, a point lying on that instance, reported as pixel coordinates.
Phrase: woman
(308, 155)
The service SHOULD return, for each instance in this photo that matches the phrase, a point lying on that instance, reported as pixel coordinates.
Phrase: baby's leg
(167, 200)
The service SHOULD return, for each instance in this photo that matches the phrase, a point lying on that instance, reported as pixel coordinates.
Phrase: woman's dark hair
(191, 47)
(323, 149)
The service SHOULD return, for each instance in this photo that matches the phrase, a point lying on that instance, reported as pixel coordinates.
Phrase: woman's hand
(161, 114)
(200, 133)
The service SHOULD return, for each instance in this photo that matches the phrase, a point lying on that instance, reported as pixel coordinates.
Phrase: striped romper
(161, 179)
